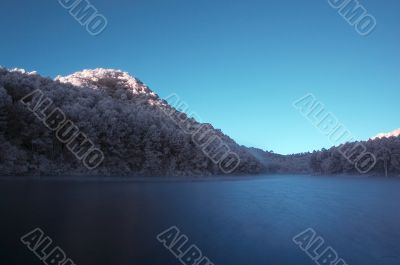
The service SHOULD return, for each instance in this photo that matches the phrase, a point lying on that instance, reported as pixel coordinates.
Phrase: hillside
(129, 129)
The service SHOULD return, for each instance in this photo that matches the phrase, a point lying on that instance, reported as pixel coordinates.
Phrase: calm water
(232, 222)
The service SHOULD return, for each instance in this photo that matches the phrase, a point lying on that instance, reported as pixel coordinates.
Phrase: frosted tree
(5, 103)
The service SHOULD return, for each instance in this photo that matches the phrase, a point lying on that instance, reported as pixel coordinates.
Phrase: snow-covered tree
(117, 112)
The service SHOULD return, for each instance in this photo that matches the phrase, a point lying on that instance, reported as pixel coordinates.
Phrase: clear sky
(238, 64)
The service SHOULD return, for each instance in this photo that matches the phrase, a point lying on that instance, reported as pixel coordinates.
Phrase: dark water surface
(246, 222)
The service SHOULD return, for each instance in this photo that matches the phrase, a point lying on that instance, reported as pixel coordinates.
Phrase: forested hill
(379, 156)
(129, 129)
(107, 123)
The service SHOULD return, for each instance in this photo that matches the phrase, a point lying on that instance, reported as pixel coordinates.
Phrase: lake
(245, 221)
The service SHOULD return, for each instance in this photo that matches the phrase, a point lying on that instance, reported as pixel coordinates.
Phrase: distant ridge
(394, 133)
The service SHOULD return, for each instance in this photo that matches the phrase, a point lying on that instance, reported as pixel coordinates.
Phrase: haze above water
(232, 222)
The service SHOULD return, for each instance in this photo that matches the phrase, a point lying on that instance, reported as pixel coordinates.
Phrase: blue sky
(238, 64)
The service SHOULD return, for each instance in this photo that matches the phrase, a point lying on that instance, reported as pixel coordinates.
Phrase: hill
(117, 127)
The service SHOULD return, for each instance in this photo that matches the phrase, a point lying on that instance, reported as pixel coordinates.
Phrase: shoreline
(179, 179)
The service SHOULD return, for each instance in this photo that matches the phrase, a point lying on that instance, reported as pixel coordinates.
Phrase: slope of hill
(283, 164)
(138, 133)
